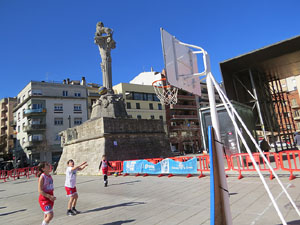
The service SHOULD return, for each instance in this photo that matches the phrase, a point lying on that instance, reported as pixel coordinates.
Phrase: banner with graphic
(165, 166)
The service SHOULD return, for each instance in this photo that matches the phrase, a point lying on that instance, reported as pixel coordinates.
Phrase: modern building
(43, 110)
(7, 132)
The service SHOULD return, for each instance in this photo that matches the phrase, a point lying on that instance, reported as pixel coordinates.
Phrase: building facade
(141, 101)
(43, 110)
(7, 132)
(183, 120)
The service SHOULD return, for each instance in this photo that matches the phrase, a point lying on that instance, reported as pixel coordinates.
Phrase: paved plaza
(148, 200)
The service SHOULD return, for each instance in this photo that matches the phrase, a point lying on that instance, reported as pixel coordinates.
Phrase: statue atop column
(109, 104)
(104, 40)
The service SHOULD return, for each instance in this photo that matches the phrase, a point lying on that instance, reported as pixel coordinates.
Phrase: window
(35, 121)
(19, 116)
(37, 92)
(29, 93)
(23, 98)
(19, 129)
(77, 94)
(23, 112)
(150, 106)
(155, 98)
(77, 121)
(138, 106)
(57, 137)
(286, 114)
(58, 107)
(139, 117)
(77, 108)
(58, 121)
(152, 117)
(150, 97)
(298, 125)
(37, 106)
(37, 137)
(128, 105)
(65, 93)
(294, 102)
(23, 125)
(129, 95)
(159, 106)
(288, 126)
(23, 140)
(137, 96)
(161, 117)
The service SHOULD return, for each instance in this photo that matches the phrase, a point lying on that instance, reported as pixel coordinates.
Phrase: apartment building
(141, 101)
(43, 110)
(7, 131)
(183, 120)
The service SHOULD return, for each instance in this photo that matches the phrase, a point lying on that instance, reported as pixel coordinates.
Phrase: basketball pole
(219, 147)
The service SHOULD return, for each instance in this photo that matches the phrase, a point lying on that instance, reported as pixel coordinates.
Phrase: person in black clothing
(104, 164)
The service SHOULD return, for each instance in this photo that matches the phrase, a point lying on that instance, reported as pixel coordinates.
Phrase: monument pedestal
(109, 105)
(117, 138)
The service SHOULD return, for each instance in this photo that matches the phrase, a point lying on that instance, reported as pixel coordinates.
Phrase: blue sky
(53, 40)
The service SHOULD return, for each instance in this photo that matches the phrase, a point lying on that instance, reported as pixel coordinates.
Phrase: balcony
(34, 127)
(184, 117)
(296, 117)
(33, 143)
(4, 109)
(185, 127)
(13, 123)
(186, 97)
(32, 112)
(188, 107)
(295, 106)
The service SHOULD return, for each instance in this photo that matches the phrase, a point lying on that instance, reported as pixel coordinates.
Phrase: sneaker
(70, 213)
(75, 211)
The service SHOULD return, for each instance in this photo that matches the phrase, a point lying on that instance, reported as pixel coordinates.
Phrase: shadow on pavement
(3, 207)
(294, 222)
(5, 214)
(129, 182)
(120, 222)
(114, 206)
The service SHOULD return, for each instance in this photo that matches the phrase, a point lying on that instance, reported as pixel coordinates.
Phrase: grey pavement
(149, 200)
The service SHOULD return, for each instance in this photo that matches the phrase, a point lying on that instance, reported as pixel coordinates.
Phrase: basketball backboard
(180, 64)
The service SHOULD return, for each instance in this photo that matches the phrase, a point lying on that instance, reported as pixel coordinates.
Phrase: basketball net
(165, 93)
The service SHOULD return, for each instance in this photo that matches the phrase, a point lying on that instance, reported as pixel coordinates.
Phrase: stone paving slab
(148, 200)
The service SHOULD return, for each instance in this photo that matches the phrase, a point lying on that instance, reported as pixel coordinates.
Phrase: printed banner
(133, 166)
(187, 167)
(165, 166)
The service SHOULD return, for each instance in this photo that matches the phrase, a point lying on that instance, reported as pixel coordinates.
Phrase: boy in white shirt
(70, 185)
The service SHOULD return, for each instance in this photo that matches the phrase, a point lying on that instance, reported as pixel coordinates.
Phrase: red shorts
(104, 171)
(71, 191)
(46, 204)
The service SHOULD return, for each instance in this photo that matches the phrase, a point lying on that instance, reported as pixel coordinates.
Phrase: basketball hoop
(165, 93)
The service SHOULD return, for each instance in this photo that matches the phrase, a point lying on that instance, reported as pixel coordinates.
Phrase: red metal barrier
(293, 162)
(3, 175)
(203, 163)
(117, 167)
(242, 163)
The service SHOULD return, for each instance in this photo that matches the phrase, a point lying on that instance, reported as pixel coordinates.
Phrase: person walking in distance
(70, 185)
(45, 189)
(104, 164)
(297, 140)
(264, 145)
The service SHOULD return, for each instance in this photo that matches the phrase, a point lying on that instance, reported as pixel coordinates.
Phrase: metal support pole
(219, 147)
(257, 105)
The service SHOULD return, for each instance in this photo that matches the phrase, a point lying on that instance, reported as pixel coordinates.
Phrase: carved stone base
(109, 105)
(118, 139)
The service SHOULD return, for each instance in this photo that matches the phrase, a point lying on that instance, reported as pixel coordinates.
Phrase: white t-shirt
(70, 177)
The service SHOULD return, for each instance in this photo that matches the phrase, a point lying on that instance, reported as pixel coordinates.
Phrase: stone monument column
(109, 104)
(104, 40)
